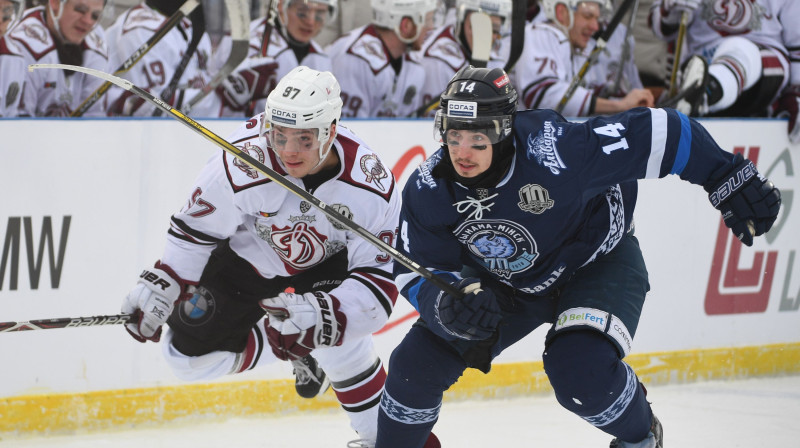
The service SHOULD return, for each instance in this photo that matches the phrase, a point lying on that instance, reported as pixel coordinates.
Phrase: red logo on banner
(732, 290)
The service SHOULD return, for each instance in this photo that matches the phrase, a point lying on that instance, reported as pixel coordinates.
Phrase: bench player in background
(155, 70)
(380, 76)
(12, 62)
(65, 32)
(291, 44)
(242, 240)
(449, 47)
(742, 56)
(555, 51)
(531, 217)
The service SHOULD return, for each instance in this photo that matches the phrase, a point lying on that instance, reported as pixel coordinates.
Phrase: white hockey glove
(254, 80)
(299, 323)
(671, 10)
(152, 299)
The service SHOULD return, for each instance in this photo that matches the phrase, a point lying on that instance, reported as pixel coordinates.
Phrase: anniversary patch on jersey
(505, 247)
(425, 177)
(373, 170)
(409, 95)
(543, 149)
(535, 199)
(342, 210)
(254, 152)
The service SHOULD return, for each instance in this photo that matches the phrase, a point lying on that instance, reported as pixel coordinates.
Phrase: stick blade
(481, 38)
(124, 83)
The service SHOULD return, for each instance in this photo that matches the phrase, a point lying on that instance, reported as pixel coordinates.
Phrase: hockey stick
(67, 322)
(676, 62)
(599, 46)
(162, 31)
(263, 169)
(517, 33)
(198, 29)
(239, 15)
(626, 50)
(482, 36)
(269, 23)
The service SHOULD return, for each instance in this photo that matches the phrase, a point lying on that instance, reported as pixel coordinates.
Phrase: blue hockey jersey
(567, 198)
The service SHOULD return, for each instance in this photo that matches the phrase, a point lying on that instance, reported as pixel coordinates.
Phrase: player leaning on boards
(541, 212)
(242, 240)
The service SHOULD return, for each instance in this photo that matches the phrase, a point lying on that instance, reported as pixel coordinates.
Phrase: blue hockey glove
(749, 202)
(474, 316)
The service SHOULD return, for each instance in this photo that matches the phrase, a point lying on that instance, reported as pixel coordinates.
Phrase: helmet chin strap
(56, 18)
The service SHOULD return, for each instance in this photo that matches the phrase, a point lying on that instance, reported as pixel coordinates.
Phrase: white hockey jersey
(154, 70)
(278, 49)
(772, 23)
(280, 234)
(548, 64)
(442, 56)
(56, 93)
(370, 85)
(13, 69)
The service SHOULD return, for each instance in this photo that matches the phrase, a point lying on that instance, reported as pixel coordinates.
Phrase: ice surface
(752, 413)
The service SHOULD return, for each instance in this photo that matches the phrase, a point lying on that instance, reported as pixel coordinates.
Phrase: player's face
(8, 13)
(305, 19)
(586, 24)
(497, 24)
(470, 152)
(78, 18)
(298, 149)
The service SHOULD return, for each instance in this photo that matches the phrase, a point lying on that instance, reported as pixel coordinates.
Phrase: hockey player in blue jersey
(531, 217)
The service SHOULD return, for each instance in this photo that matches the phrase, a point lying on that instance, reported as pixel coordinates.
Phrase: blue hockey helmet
(477, 99)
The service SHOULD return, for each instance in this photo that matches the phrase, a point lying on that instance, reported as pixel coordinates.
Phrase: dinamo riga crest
(505, 247)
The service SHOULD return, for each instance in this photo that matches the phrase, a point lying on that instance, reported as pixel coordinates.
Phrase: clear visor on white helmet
(497, 8)
(320, 11)
(282, 138)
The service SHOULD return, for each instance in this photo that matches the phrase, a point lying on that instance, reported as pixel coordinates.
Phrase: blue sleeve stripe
(684, 145)
(658, 121)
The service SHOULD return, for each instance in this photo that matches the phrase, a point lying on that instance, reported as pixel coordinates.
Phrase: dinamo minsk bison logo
(505, 247)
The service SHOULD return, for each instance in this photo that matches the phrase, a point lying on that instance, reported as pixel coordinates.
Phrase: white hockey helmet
(500, 8)
(549, 7)
(389, 14)
(10, 13)
(333, 8)
(306, 99)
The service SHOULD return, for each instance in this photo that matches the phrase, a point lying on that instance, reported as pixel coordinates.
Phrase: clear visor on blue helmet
(463, 116)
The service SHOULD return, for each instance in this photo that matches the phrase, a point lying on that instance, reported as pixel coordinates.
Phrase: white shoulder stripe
(658, 144)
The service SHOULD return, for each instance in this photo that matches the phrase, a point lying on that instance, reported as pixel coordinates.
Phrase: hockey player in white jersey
(740, 56)
(554, 52)
(155, 70)
(449, 47)
(291, 43)
(66, 32)
(12, 62)
(380, 75)
(242, 243)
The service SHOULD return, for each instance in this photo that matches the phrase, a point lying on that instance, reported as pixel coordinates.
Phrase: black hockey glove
(749, 202)
(474, 316)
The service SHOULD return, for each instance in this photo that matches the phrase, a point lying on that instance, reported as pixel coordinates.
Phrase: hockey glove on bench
(299, 323)
(749, 202)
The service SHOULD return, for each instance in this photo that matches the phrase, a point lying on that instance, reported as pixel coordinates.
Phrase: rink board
(86, 205)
